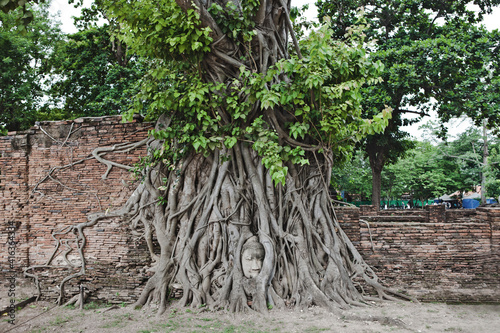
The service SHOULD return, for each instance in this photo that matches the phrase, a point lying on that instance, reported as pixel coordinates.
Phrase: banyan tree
(234, 200)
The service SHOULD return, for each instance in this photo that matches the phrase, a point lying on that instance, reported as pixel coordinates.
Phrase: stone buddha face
(252, 256)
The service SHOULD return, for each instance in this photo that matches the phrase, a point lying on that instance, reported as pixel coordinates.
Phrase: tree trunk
(216, 205)
(376, 155)
(484, 165)
(376, 187)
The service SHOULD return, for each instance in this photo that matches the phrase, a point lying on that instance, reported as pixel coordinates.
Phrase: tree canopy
(23, 63)
(430, 170)
(433, 52)
(319, 105)
(93, 75)
(48, 75)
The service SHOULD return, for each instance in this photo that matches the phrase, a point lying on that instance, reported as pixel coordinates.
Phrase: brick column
(368, 210)
(348, 218)
(437, 213)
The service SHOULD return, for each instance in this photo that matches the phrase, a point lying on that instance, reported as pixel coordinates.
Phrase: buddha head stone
(252, 256)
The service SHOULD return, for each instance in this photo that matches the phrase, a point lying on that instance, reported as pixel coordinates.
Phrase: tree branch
(420, 113)
(290, 28)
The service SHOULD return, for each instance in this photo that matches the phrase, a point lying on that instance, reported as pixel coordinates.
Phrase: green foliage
(323, 98)
(435, 57)
(25, 13)
(425, 173)
(353, 177)
(467, 152)
(428, 170)
(23, 56)
(47, 76)
(93, 76)
(475, 67)
(236, 23)
(160, 29)
(492, 172)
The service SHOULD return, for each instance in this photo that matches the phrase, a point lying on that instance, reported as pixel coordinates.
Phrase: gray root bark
(214, 206)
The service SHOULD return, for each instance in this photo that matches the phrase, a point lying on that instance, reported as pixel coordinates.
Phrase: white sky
(456, 126)
(66, 12)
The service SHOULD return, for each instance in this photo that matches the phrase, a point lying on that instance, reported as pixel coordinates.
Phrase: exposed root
(212, 208)
(210, 214)
(119, 148)
(79, 242)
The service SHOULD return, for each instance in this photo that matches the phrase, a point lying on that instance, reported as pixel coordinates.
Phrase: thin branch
(420, 113)
(290, 28)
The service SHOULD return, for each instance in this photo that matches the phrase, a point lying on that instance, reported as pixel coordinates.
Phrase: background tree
(473, 88)
(51, 76)
(354, 177)
(428, 49)
(23, 58)
(94, 76)
(425, 173)
(471, 152)
(492, 172)
(25, 12)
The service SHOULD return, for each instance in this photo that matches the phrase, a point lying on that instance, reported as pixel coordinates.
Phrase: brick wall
(348, 218)
(435, 254)
(41, 203)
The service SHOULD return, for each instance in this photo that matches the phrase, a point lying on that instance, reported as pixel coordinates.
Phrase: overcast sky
(67, 11)
(457, 126)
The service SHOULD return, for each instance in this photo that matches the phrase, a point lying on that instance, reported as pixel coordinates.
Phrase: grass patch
(169, 326)
(58, 321)
(118, 321)
(96, 305)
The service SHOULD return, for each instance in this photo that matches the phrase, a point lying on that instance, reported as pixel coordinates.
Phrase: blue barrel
(470, 203)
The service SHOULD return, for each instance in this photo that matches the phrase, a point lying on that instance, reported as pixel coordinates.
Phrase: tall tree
(471, 149)
(428, 49)
(250, 123)
(94, 76)
(23, 58)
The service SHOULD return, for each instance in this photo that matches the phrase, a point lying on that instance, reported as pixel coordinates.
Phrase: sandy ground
(407, 317)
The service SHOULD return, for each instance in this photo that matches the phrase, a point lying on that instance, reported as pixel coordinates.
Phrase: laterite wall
(42, 205)
(435, 254)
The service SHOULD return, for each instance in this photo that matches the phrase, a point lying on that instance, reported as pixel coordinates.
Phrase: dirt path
(430, 317)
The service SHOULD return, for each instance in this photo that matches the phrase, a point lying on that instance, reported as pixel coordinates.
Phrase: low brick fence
(439, 255)
(434, 254)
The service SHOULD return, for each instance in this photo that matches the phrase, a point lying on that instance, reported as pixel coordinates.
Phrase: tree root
(212, 207)
(131, 207)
